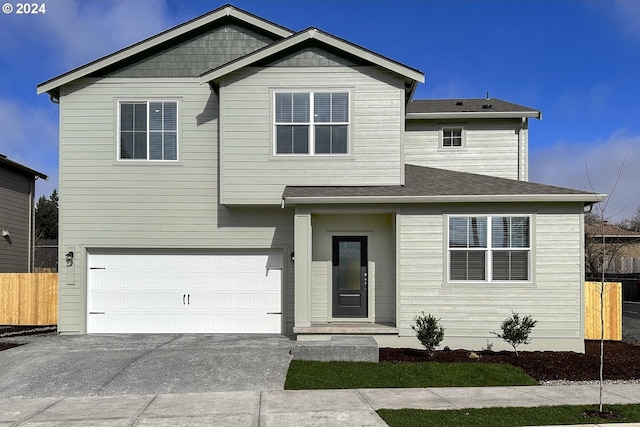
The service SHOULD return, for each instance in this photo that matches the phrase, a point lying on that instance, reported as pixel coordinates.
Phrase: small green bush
(428, 331)
(515, 331)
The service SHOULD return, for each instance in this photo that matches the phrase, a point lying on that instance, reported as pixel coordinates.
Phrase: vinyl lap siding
(471, 311)
(15, 217)
(106, 203)
(252, 175)
(491, 147)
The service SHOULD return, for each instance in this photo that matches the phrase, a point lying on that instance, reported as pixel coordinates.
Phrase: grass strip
(312, 375)
(507, 417)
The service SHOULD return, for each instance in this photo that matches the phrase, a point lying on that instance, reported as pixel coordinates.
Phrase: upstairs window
(311, 123)
(451, 137)
(489, 248)
(148, 130)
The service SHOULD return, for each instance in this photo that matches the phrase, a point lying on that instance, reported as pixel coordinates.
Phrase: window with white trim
(148, 130)
(452, 137)
(311, 123)
(489, 248)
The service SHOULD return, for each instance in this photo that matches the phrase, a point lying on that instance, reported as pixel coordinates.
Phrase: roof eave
(303, 36)
(500, 198)
(475, 115)
(53, 84)
(23, 169)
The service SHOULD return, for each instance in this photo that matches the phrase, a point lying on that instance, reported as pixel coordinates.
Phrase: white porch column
(302, 268)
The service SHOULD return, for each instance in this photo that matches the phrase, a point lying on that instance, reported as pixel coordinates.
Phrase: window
(310, 123)
(451, 137)
(489, 248)
(148, 130)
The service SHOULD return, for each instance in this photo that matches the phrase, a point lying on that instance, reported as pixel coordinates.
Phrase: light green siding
(381, 253)
(252, 174)
(494, 147)
(107, 203)
(470, 311)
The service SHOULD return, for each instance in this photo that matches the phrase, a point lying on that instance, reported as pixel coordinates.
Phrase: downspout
(523, 122)
(32, 224)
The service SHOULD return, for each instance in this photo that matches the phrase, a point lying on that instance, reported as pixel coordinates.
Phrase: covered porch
(345, 271)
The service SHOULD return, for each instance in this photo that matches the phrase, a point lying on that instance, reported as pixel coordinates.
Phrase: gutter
(488, 198)
(475, 115)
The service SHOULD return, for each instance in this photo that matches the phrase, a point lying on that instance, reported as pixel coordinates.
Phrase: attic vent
(487, 106)
(458, 102)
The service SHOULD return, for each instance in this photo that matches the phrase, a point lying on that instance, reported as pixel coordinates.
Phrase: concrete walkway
(344, 408)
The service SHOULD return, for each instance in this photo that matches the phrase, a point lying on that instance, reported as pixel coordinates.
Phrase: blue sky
(576, 61)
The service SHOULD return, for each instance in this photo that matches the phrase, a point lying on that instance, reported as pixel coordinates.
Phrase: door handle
(183, 295)
(188, 298)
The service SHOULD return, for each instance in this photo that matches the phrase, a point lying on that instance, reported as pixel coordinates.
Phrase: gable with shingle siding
(197, 54)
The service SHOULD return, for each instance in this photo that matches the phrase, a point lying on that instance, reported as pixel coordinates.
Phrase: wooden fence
(612, 303)
(28, 299)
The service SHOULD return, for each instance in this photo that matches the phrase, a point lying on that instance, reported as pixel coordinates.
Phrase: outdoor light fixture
(5, 233)
(69, 258)
(293, 257)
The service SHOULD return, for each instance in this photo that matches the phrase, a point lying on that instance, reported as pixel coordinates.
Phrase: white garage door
(157, 293)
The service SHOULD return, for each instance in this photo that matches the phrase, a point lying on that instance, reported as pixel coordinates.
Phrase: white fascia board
(528, 198)
(156, 40)
(302, 37)
(475, 115)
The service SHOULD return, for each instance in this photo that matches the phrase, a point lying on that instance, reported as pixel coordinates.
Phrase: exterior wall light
(69, 258)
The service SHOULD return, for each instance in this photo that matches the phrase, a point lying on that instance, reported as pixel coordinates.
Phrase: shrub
(428, 331)
(515, 331)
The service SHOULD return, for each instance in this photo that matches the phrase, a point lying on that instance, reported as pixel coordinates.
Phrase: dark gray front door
(350, 276)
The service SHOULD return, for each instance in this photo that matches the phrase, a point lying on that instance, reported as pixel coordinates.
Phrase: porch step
(352, 349)
(347, 329)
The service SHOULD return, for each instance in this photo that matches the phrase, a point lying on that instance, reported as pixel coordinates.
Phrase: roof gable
(189, 56)
(323, 39)
(51, 86)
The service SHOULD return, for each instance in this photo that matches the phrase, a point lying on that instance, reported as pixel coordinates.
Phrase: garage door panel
(159, 293)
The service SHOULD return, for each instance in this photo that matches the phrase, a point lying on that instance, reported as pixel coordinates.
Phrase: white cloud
(30, 137)
(566, 164)
(74, 32)
(627, 13)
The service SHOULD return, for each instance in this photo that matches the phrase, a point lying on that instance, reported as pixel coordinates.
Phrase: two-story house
(232, 175)
(17, 215)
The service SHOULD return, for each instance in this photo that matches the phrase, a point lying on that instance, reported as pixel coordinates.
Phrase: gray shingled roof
(471, 105)
(424, 183)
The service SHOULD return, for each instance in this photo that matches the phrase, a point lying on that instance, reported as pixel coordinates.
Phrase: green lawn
(304, 374)
(505, 417)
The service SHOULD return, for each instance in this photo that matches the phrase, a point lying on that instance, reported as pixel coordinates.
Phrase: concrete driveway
(107, 365)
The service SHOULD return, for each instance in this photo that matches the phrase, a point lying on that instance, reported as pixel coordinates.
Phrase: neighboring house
(17, 226)
(620, 249)
(232, 175)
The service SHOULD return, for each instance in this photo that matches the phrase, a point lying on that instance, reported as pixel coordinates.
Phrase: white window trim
(147, 101)
(463, 133)
(310, 123)
(489, 250)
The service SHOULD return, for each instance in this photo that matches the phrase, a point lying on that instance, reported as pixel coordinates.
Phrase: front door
(350, 276)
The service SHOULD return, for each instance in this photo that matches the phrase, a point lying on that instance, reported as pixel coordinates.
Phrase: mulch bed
(622, 361)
